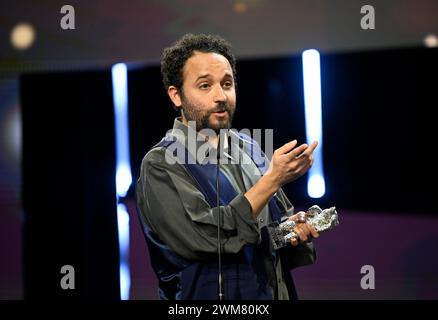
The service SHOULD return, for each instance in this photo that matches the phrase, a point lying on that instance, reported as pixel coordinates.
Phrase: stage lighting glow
(240, 7)
(120, 97)
(123, 178)
(315, 186)
(123, 169)
(22, 36)
(125, 281)
(123, 228)
(431, 41)
(313, 119)
(11, 134)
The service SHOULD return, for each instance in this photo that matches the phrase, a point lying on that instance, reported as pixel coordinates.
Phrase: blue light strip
(313, 114)
(120, 96)
(123, 228)
(123, 169)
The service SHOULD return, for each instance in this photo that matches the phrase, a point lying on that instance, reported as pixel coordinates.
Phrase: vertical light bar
(123, 169)
(120, 97)
(123, 228)
(313, 115)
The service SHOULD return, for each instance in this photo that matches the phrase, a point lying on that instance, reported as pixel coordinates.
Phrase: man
(176, 200)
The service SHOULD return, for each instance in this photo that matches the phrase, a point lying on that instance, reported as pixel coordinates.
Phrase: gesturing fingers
(309, 152)
(287, 147)
(303, 150)
(296, 152)
(291, 161)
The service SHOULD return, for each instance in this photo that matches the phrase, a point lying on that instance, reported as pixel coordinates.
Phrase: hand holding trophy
(282, 233)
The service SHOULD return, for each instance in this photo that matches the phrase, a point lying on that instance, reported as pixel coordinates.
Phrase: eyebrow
(208, 75)
(202, 76)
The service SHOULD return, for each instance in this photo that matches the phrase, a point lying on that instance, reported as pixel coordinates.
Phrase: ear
(175, 96)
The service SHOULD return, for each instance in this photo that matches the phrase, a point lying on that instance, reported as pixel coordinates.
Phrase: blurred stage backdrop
(79, 109)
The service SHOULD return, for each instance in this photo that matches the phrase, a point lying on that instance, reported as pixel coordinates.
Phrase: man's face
(209, 95)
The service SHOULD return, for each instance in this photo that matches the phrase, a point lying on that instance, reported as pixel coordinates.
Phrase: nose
(219, 94)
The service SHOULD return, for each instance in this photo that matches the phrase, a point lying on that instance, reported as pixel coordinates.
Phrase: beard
(192, 112)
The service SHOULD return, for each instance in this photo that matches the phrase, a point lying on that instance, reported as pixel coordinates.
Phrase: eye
(228, 84)
(204, 86)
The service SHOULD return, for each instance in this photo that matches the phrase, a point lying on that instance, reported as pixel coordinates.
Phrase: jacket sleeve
(178, 213)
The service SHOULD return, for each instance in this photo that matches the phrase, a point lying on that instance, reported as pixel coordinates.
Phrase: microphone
(282, 233)
(221, 295)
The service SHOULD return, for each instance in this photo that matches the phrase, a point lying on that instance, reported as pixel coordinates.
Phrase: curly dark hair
(175, 57)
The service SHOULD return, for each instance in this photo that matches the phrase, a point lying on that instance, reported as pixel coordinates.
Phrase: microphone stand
(221, 295)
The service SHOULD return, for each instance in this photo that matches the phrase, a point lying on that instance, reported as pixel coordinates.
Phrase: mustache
(223, 106)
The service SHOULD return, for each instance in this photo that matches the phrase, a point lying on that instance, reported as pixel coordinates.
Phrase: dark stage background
(69, 191)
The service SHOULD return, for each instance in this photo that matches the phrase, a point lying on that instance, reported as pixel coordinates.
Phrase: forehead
(201, 63)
